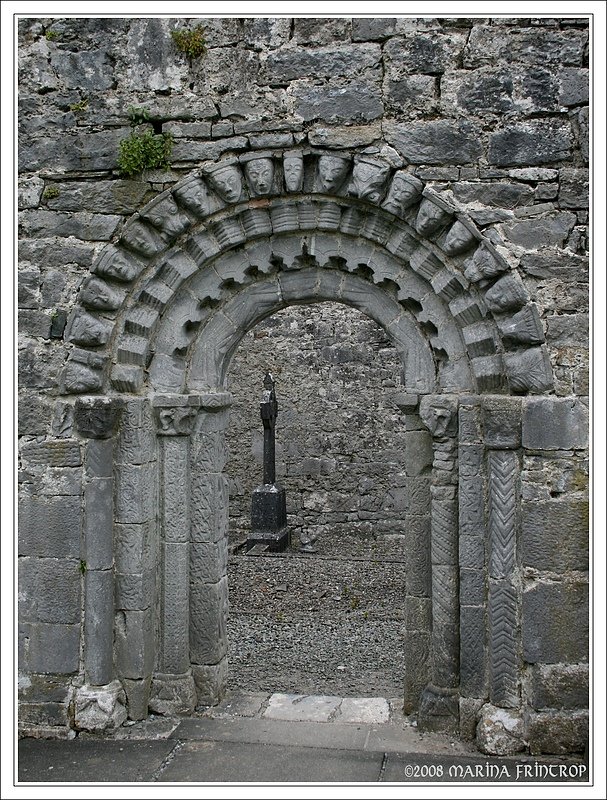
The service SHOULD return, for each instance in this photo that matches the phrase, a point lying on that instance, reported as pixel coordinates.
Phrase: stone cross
(269, 505)
(269, 411)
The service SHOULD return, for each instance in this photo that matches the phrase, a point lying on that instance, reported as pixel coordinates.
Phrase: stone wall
(490, 113)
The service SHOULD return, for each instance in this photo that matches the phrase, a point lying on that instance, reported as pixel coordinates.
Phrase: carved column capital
(439, 414)
(97, 417)
(175, 420)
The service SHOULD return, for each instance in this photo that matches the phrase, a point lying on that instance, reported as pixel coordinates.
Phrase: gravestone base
(269, 518)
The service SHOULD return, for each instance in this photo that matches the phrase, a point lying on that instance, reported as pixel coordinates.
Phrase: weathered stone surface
(134, 494)
(500, 732)
(210, 682)
(137, 697)
(555, 622)
(473, 648)
(497, 195)
(134, 643)
(134, 591)
(172, 694)
(559, 686)
(547, 231)
(573, 188)
(555, 535)
(49, 590)
(98, 626)
(551, 423)
(271, 33)
(568, 330)
(106, 197)
(98, 500)
(501, 422)
(558, 732)
(50, 527)
(49, 649)
(208, 611)
(317, 31)
(487, 45)
(356, 102)
(417, 667)
(100, 708)
(327, 62)
(372, 29)
(441, 142)
(574, 86)
(72, 152)
(530, 143)
(134, 547)
(344, 136)
(553, 263)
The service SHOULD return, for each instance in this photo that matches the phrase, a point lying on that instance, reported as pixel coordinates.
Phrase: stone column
(209, 548)
(100, 703)
(439, 703)
(501, 420)
(173, 689)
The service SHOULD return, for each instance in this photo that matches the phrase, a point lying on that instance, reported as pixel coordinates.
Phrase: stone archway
(157, 325)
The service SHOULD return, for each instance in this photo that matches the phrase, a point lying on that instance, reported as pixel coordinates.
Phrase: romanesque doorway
(340, 619)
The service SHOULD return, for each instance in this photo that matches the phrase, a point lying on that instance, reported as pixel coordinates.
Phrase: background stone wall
(492, 112)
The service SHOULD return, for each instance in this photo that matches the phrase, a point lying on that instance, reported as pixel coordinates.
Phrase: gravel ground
(316, 624)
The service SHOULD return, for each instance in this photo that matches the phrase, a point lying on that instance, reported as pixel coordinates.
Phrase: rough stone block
(530, 45)
(496, 195)
(574, 86)
(441, 142)
(328, 62)
(370, 30)
(272, 33)
(64, 453)
(34, 323)
(558, 733)
(50, 526)
(500, 731)
(211, 681)
(418, 452)
(134, 643)
(551, 423)
(530, 143)
(49, 649)
(555, 622)
(549, 230)
(344, 136)
(80, 224)
(35, 414)
(208, 613)
(570, 330)
(559, 686)
(137, 697)
(98, 521)
(357, 102)
(501, 422)
(469, 711)
(98, 626)
(44, 714)
(49, 590)
(555, 535)
(172, 694)
(574, 188)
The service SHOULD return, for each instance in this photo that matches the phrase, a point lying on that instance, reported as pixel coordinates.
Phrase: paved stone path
(281, 738)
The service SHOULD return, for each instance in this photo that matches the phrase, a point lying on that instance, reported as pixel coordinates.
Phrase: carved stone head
(332, 171)
(430, 218)
(117, 265)
(78, 378)
(165, 216)
(260, 175)
(194, 196)
(96, 293)
(293, 169)
(87, 330)
(140, 238)
(459, 239)
(507, 294)
(405, 190)
(226, 180)
(484, 264)
(368, 179)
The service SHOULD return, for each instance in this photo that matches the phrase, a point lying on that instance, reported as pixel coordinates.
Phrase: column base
(211, 682)
(500, 731)
(172, 694)
(439, 710)
(100, 708)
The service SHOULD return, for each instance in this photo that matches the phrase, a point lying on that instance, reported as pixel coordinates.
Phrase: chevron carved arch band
(241, 238)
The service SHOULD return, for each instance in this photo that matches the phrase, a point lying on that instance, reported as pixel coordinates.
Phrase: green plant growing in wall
(50, 35)
(81, 106)
(145, 150)
(191, 43)
(50, 192)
